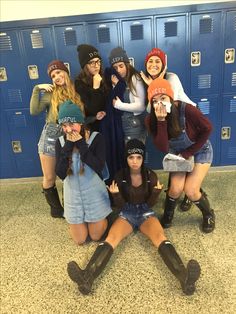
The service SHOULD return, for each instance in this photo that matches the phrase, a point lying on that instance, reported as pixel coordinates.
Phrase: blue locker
(206, 53)
(228, 131)
(38, 53)
(22, 135)
(137, 39)
(13, 89)
(171, 37)
(209, 106)
(7, 162)
(104, 36)
(154, 156)
(67, 38)
(230, 53)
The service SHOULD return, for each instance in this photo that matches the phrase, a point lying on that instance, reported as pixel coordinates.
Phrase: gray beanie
(118, 54)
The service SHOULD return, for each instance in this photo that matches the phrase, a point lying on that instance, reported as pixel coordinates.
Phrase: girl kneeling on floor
(135, 190)
(80, 159)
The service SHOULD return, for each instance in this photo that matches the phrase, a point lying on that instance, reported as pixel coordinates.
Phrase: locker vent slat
(70, 38)
(136, 32)
(204, 106)
(14, 95)
(103, 35)
(5, 43)
(204, 81)
(170, 29)
(232, 106)
(36, 40)
(233, 82)
(234, 24)
(206, 26)
(232, 152)
(19, 121)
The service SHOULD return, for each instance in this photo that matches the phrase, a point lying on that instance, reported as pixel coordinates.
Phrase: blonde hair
(63, 93)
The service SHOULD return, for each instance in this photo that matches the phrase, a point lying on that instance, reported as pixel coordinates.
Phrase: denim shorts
(136, 214)
(205, 154)
(49, 135)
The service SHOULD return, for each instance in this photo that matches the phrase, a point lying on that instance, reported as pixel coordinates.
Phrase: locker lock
(16, 146)
(195, 58)
(229, 55)
(225, 133)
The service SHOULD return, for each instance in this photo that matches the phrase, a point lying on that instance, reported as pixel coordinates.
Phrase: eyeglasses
(94, 63)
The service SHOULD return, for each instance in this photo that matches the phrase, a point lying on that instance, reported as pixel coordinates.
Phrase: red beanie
(57, 64)
(160, 86)
(158, 53)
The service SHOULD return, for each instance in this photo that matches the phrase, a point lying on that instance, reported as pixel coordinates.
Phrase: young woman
(132, 105)
(156, 67)
(80, 159)
(182, 130)
(89, 85)
(51, 98)
(135, 191)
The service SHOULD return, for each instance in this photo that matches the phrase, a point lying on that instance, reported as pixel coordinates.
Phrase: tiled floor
(35, 249)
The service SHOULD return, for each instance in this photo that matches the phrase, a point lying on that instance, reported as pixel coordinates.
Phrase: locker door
(228, 131)
(12, 77)
(24, 144)
(137, 39)
(38, 53)
(67, 38)
(171, 37)
(230, 53)
(209, 106)
(104, 36)
(206, 53)
(154, 156)
(7, 162)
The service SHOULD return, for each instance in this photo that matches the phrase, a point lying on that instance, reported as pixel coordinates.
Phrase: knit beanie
(118, 54)
(56, 65)
(160, 86)
(158, 53)
(134, 146)
(70, 112)
(87, 53)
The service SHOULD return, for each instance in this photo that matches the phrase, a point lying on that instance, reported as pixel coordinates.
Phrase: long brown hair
(173, 123)
(63, 93)
(86, 77)
(130, 72)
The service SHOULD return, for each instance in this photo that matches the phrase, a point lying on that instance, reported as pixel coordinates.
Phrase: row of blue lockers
(200, 43)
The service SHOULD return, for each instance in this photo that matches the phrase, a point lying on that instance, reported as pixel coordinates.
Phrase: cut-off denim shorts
(136, 214)
(205, 154)
(49, 135)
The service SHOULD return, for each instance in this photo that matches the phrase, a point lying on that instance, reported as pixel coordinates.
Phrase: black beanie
(86, 53)
(134, 146)
(118, 54)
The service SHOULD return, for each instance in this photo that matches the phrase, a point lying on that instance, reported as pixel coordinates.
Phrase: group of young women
(101, 120)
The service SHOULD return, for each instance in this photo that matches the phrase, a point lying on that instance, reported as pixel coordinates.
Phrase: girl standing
(53, 95)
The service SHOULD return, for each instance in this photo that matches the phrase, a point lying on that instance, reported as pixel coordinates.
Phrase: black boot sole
(76, 274)
(193, 273)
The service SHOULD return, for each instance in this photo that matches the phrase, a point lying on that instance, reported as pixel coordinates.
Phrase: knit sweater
(40, 102)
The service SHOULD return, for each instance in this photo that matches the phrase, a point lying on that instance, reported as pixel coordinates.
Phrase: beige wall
(12, 10)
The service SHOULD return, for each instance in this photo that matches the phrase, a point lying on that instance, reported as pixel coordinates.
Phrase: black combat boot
(170, 204)
(208, 224)
(85, 278)
(186, 204)
(52, 197)
(187, 276)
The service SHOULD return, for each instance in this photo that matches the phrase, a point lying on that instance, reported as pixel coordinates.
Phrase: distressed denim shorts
(205, 154)
(49, 135)
(136, 214)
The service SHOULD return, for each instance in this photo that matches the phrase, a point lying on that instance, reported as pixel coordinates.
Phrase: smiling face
(120, 68)
(135, 161)
(154, 66)
(94, 66)
(58, 77)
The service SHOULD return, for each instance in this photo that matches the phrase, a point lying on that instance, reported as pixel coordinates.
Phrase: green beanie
(70, 113)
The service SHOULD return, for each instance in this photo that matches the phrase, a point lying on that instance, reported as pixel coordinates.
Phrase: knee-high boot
(170, 204)
(186, 204)
(187, 276)
(208, 224)
(52, 197)
(85, 278)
